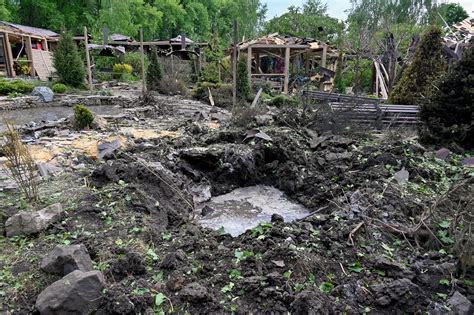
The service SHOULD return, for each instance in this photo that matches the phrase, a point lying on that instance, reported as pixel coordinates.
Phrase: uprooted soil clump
(375, 241)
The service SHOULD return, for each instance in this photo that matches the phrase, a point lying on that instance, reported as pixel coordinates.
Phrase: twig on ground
(351, 234)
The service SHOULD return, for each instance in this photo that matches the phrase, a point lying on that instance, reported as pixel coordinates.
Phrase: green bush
(283, 101)
(59, 88)
(83, 117)
(15, 87)
(221, 93)
(427, 65)
(134, 59)
(449, 110)
(154, 72)
(68, 63)
(122, 71)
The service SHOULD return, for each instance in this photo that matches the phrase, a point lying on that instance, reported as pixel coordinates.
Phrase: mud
(363, 243)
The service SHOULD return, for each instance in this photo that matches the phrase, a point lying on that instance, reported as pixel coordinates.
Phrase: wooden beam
(29, 52)
(249, 65)
(88, 60)
(257, 62)
(142, 61)
(287, 70)
(294, 46)
(234, 66)
(9, 56)
(45, 45)
(255, 100)
(323, 64)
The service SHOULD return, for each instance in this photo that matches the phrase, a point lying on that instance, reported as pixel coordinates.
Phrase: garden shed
(26, 50)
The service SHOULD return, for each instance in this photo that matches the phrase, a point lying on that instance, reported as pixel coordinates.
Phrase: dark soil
(371, 245)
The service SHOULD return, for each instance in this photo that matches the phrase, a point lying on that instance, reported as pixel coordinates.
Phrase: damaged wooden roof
(28, 30)
(466, 26)
(275, 40)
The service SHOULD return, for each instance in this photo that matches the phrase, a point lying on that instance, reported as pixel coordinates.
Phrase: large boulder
(44, 92)
(77, 293)
(65, 259)
(460, 305)
(26, 222)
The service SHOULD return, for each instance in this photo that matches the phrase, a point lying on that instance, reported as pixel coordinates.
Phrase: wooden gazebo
(25, 41)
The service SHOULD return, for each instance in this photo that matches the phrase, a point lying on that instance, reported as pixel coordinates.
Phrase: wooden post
(142, 59)
(249, 65)
(257, 63)
(88, 60)
(287, 70)
(234, 66)
(29, 52)
(323, 64)
(9, 56)
(45, 45)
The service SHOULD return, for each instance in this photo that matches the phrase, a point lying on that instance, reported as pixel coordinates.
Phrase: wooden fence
(377, 114)
(341, 98)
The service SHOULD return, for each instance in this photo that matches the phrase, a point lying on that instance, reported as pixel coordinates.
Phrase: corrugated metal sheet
(31, 30)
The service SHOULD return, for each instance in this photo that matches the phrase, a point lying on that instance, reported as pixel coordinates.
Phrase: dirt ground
(374, 243)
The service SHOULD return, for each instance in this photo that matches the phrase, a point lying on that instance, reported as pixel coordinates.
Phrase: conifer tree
(448, 113)
(154, 73)
(427, 65)
(68, 63)
(243, 87)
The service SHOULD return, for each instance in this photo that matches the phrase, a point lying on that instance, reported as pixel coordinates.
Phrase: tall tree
(449, 111)
(452, 13)
(428, 63)
(68, 63)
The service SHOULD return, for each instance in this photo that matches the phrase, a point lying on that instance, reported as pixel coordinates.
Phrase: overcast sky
(337, 8)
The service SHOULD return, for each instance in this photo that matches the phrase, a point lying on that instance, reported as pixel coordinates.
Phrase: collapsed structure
(26, 50)
(288, 61)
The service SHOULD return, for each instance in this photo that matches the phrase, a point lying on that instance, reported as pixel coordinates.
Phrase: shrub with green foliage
(154, 73)
(339, 85)
(283, 101)
(68, 63)
(448, 112)
(243, 86)
(134, 59)
(59, 88)
(427, 65)
(15, 87)
(122, 71)
(83, 117)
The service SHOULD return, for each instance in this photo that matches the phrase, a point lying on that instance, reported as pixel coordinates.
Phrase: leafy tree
(448, 112)
(154, 73)
(243, 86)
(452, 13)
(338, 80)
(428, 63)
(4, 12)
(68, 62)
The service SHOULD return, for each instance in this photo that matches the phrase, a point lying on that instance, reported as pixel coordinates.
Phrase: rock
(469, 161)
(26, 223)
(194, 292)
(107, 148)
(263, 119)
(401, 176)
(399, 294)
(276, 218)
(65, 259)
(44, 92)
(77, 293)
(459, 304)
(206, 211)
(47, 169)
(442, 153)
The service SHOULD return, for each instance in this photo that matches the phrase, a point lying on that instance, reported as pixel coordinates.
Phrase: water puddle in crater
(244, 208)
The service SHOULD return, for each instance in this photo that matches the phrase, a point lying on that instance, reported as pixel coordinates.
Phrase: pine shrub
(68, 63)
(154, 73)
(427, 65)
(243, 87)
(448, 113)
(83, 117)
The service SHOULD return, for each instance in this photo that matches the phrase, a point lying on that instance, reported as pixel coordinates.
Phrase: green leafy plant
(228, 287)
(356, 267)
(235, 274)
(326, 287)
(243, 86)
(83, 117)
(243, 255)
(59, 88)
